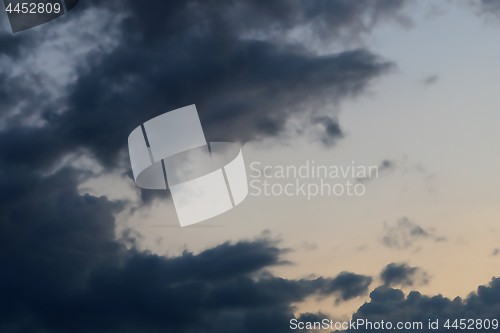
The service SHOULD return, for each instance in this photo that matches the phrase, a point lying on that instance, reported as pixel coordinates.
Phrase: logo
(28, 14)
(205, 179)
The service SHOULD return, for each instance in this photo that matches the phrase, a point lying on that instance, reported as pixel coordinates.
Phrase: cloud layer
(393, 305)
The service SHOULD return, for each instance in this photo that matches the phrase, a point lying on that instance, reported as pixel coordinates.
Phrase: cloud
(272, 86)
(67, 273)
(403, 275)
(332, 130)
(496, 252)
(63, 268)
(309, 246)
(231, 59)
(430, 80)
(128, 63)
(392, 305)
(386, 164)
(488, 7)
(384, 167)
(349, 285)
(10, 45)
(406, 233)
(246, 88)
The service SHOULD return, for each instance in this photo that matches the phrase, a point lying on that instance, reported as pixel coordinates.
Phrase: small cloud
(496, 252)
(309, 246)
(348, 285)
(362, 247)
(418, 231)
(417, 250)
(430, 80)
(406, 233)
(266, 233)
(385, 166)
(311, 276)
(488, 8)
(403, 275)
(331, 130)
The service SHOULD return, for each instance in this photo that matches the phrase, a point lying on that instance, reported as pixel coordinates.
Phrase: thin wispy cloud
(406, 233)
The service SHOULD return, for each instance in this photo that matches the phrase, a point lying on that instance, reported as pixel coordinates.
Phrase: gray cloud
(488, 7)
(63, 268)
(309, 246)
(391, 305)
(430, 80)
(406, 233)
(496, 252)
(403, 275)
(99, 285)
(349, 285)
(386, 166)
(245, 88)
(168, 55)
(11, 45)
(332, 131)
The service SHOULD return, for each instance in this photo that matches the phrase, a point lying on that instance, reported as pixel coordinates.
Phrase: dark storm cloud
(331, 17)
(401, 274)
(392, 305)
(63, 269)
(243, 90)
(173, 54)
(34, 148)
(270, 86)
(406, 233)
(48, 228)
(11, 45)
(349, 285)
(11, 92)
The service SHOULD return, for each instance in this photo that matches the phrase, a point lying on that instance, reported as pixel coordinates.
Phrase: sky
(410, 87)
